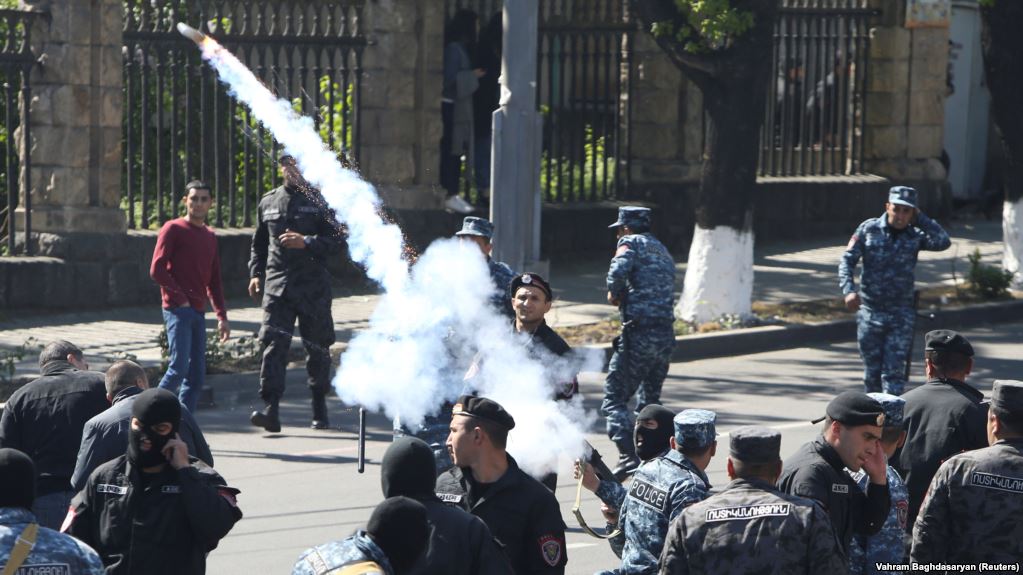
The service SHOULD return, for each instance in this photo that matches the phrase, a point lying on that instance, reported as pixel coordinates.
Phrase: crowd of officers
(101, 474)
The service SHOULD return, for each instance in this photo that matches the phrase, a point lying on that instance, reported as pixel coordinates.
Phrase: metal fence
(583, 72)
(16, 61)
(814, 116)
(180, 123)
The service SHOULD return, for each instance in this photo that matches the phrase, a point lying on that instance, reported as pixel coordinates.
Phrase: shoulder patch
(998, 482)
(649, 494)
(622, 250)
(852, 242)
(839, 488)
(550, 548)
(449, 497)
(748, 512)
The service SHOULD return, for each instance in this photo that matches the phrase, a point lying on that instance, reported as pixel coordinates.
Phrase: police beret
(694, 428)
(947, 340)
(854, 408)
(483, 408)
(893, 406)
(755, 444)
(633, 217)
(902, 195)
(473, 226)
(1007, 397)
(532, 280)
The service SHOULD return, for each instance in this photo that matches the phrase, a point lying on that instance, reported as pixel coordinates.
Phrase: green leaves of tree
(704, 25)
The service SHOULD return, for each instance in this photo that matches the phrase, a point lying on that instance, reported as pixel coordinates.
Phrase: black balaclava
(652, 442)
(398, 526)
(151, 407)
(408, 468)
(17, 479)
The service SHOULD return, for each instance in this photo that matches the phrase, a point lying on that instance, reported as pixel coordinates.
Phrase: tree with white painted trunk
(724, 47)
(1002, 47)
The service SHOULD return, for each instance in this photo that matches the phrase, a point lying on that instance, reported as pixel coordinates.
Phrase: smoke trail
(433, 318)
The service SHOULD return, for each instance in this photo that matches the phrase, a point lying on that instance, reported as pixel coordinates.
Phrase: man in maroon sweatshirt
(187, 267)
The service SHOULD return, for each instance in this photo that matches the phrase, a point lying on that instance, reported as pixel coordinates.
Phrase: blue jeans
(186, 339)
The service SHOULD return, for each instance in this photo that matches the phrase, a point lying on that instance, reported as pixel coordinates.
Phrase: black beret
(855, 408)
(947, 340)
(483, 408)
(532, 280)
(755, 444)
(1007, 397)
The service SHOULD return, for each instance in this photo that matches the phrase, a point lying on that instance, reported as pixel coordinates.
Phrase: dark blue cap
(473, 226)
(694, 428)
(633, 217)
(893, 406)
(902, 195)
(755, 444)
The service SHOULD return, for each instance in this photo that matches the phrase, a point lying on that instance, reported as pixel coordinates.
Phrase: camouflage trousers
(434, 431)
(884, 339)
(317, 327)
(638, 367)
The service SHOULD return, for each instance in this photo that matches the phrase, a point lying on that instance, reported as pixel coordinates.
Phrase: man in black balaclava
(460, 543)
(169, 509)
(19, 524)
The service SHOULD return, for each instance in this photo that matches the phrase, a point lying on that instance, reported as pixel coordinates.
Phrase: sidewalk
(790, 271)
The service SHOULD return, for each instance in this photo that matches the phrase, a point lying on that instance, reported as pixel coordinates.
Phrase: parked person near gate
(186, 265)
(486, 99)
(461, 81)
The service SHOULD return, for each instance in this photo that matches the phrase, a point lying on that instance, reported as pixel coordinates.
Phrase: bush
(986, 280)
(217, 353)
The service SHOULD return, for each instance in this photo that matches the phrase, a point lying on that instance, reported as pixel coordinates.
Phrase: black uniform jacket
(165, 525)
(522, 514)
(45, 418)
(552, 342)
(816, 471)
(305, 212)
(943, 417)
(460, 543)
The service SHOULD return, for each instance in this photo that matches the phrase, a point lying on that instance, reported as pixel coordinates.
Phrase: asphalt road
(300, 487)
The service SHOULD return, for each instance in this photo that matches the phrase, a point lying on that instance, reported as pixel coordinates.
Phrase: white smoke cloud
(433, 318)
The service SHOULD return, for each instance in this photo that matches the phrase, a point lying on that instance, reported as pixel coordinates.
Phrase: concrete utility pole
(515, 180)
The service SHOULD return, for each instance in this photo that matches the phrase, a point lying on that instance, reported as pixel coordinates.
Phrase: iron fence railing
(816, 105)
(16, 61)
(180, 123)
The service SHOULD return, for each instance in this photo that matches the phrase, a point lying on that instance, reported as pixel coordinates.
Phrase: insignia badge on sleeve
(550, 548)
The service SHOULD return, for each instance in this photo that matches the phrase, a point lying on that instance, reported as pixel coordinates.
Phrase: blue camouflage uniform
(500, 273)
(642, 279)
(884, 322)
(661, 488)
(53, 552)
(326, 558)
(888, 545)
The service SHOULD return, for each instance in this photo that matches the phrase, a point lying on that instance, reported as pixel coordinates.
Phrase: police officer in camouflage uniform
(45, 550)
(394, 540)
(661, 488)
(641, 282)
(480, 232)
(972, 511)
(295, 234)
(751, 526)
(889, 544)
(888, 246)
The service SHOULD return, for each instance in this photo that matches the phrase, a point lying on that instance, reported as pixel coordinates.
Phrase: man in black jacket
(944, 416)
(106, 435)
(460, 543)
(154, 510)
(851, 439)
(522, 514)
(44, 419)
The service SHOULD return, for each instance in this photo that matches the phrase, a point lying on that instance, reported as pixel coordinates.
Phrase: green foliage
(217, 352)
(9, 4)
(573, 178)
(704, 25)
(986, 280)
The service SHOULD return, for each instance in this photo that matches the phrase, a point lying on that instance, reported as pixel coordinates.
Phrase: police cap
(854, 408)
(755, 445)
(483, 408)
(532, 280)
(635, 217)
(893, 406)
(694, 428)
(947, 340)
(473, 226)
(902, 195)
(1007, 397)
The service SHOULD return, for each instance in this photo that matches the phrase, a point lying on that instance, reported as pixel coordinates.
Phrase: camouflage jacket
(642, 278)
(889, 259)
(889, 545)
(972, 511)
(284, 209)
(326, 558)
(502, 275)
(752, 527)
(53, 552)
(661, 488)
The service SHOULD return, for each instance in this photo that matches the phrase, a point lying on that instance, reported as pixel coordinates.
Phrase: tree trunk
(1002, 47)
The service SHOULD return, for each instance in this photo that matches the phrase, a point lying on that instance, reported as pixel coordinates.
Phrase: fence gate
(583, 71)
(180, 123)
(814, 116)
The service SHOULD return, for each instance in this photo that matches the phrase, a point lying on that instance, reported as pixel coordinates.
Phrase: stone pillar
(905, 100)
(76, 111)
(400, 105)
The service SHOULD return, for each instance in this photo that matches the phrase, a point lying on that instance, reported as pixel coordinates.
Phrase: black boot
(320, 420)
(628, 462)
(268, 418)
